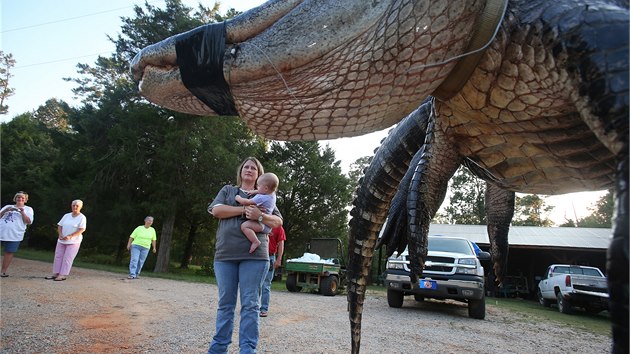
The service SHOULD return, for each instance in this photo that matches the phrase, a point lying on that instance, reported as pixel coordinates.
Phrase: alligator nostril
(234, 50)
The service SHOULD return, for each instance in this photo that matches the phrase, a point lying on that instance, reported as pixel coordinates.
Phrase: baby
(267, 185)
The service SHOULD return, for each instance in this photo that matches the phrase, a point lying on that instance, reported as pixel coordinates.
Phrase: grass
(599, 324)
(192, 274)
(579, 319)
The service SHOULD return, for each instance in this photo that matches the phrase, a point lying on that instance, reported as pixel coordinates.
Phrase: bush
(207, 266)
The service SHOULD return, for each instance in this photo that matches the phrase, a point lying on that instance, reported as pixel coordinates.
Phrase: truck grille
(433, 264)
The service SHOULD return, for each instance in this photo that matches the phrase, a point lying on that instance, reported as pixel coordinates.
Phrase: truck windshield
(450, 245)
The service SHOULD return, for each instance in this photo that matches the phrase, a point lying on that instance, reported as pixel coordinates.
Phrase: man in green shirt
(140, 240)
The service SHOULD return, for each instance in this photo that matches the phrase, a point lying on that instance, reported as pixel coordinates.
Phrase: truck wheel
(395, 298)
(477, 308)
(328, 285)
(563, 305)
(292, 283)
(542, 300)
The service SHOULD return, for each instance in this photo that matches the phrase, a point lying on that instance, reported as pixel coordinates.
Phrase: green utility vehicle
(325, 277)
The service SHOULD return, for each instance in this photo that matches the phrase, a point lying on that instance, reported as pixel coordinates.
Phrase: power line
(59, 60)
(72, 18)
(65, 20)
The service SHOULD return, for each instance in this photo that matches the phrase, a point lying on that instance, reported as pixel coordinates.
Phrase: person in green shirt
(140, 240)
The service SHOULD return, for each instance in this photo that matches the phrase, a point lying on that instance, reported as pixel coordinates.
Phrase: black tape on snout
(200, 61)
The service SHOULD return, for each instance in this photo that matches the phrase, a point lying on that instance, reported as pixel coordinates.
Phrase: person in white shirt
(13, 222)
(70, 234)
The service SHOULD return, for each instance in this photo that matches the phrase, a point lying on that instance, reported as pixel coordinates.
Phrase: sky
(49, 38)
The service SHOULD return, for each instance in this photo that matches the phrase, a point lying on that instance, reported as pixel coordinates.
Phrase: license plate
(427, 284)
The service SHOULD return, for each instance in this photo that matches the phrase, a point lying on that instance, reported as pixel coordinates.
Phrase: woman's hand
(252, 212)
(25, 217)
(6, 210)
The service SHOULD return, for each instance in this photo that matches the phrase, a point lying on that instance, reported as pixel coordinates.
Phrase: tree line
(127, 158)
(466, 205)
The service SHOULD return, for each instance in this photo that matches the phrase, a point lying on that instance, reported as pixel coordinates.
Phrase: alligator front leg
(427, 191)
(394, 235)
(371, 204)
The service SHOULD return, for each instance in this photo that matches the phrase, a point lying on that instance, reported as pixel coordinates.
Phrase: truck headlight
(471, 264)
(462, 270)
(468, 261)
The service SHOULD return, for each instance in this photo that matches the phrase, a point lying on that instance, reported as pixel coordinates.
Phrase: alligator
(532, 95)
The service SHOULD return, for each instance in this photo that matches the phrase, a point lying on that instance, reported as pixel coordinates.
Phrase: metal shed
(533, 249)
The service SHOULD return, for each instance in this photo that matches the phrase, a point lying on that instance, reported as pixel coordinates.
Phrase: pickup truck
(452, 270)
(574, 286)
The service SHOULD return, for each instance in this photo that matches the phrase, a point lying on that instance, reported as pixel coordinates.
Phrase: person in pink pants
(70, 234)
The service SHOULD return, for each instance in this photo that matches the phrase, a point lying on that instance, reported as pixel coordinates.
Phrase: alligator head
(305, 70)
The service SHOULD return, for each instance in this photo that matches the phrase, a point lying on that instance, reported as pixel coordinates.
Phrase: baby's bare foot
(254, 245)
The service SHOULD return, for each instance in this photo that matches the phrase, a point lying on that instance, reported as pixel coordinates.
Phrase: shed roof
(532, 236)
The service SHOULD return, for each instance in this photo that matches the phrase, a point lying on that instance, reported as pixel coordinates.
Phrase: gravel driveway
(99, 312)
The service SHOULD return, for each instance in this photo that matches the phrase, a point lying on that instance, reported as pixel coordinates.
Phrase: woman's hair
(259, 166)
(148, 217)
(20, 193)
(77, 201)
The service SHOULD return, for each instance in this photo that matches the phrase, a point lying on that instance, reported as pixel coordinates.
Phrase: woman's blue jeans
(233, 276)
(138, 256)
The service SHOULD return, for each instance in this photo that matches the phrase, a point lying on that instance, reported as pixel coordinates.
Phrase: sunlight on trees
(6, 64)
(531, 210)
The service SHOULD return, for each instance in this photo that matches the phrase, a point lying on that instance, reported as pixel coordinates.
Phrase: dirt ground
(101, 312)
